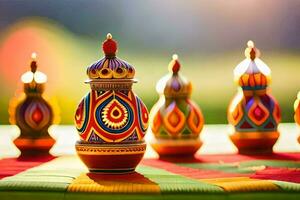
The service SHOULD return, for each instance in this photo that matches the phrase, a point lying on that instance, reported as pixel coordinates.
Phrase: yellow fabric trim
(242, 184)
(110, 184)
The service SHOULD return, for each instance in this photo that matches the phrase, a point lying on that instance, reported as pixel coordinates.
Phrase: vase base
(39, 146)
(112, 171)
(110, 158)
(255, 142)
(180, 147)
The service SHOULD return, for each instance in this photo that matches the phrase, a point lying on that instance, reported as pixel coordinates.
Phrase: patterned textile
(206, 177)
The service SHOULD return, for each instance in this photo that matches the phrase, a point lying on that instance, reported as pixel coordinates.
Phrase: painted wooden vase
(297, 112)
(111, 119)
(33, 114)
(254, 112)
(176, 121)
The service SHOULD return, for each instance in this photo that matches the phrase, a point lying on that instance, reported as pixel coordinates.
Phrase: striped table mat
(205, 177)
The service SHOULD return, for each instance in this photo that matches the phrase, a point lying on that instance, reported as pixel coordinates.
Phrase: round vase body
(111, 125)
(255, 114)
(111, 120)
(176, 125)
(34, 116)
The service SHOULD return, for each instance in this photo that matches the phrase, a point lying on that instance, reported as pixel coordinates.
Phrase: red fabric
(12, 166)
(227, 158)
(279, 174)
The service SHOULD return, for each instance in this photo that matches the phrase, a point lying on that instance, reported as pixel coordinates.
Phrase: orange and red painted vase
(297, 112)
(254, 112)
(33, 115)
(111, 119)
(176, 121)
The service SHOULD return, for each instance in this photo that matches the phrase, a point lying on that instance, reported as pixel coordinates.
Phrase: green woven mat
(174, 183)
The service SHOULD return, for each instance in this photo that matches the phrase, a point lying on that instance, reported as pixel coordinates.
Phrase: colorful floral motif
(111, 117)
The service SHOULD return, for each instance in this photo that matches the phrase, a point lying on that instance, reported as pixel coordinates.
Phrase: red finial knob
(33, 64)
(252, 54)
(174, 64)
(109, 46)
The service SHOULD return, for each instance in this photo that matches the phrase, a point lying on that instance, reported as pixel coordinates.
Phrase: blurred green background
(209, 37)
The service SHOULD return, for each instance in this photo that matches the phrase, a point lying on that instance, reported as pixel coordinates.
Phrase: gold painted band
(255, 135)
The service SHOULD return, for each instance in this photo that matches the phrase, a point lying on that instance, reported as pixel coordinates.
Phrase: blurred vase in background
(33, 114)
(176, 121)
(253, 112)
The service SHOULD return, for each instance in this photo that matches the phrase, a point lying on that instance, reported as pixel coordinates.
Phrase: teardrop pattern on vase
(258, 113)
(111, 116)
(143, 115)
(174, 120)
(114, 115)
(195, 119)
(276, 112)
(81, 115)
(156, 123)
(236, 115)
(37, 115)
(235, 111)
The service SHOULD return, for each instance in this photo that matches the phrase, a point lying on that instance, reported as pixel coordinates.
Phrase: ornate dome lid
(174, 84)
(110, 66)
(34, 76)
(252, 73)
